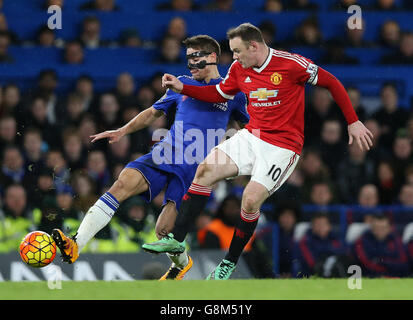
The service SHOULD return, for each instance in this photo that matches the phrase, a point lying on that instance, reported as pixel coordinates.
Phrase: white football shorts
(267, 164)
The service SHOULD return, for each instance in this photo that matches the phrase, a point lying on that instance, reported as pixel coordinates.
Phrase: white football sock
(96, 219)
(180, 260)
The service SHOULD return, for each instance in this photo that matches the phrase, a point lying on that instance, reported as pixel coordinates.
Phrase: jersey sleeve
(326, 80)
(303, 70)
(239, 110)
(228, 87)
(169, 100)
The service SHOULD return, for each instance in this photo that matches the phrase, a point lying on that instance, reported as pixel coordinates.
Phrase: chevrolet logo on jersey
(262, 94)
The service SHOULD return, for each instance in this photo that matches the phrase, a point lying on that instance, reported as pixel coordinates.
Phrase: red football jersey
(275, 94)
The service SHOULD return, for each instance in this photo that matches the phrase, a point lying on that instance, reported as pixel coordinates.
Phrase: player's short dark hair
(10, 147)
(203, 42)
(33, 130)
(89, 19)
(287, 206)
(15, 185)
(247, 32)
(320, 215)
(70, 132)
(381, 217)
(47, 73)
(44, 29)
(84, 77)
(389, 84)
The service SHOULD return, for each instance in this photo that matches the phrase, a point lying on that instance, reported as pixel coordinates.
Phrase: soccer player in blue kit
(172, 163)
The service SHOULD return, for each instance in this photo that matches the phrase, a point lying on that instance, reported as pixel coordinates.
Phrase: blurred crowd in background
(51, 173)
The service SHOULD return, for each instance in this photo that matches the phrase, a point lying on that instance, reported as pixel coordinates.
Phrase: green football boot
(165, 245)
(223, 271)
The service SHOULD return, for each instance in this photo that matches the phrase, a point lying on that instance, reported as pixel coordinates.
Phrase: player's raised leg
(216, 166)
(181, 263)
(271, 167)
(129, 183)
(253, 197)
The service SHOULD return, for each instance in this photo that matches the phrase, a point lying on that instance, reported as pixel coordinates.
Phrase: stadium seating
(300, 230)
(355, 230)
(25, 17)
(152, 26)
(408, 233)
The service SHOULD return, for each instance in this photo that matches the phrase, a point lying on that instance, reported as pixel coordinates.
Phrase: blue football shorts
(159, 179)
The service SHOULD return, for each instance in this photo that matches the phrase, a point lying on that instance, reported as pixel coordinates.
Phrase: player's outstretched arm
(203, 93)
(356, 130)
(140, 121)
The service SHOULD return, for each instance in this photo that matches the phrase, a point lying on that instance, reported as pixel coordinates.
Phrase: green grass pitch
(274, 289)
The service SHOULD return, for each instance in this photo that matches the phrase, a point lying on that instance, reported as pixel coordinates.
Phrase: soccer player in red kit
(269, 146)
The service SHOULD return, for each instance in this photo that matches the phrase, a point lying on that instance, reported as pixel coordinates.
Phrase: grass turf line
(274, 289)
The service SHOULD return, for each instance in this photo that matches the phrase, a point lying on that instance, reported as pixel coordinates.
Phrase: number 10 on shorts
(274, 173)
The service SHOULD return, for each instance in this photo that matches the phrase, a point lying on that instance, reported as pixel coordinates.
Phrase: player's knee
(250, 202)
(204, 170)
(121, 189)
(119, 185)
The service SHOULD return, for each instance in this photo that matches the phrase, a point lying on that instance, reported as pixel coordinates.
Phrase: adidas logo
(247, 80)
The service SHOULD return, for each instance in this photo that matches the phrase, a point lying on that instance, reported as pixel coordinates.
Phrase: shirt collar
(265, 64)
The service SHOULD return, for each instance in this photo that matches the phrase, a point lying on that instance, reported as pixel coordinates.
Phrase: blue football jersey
(198, 127)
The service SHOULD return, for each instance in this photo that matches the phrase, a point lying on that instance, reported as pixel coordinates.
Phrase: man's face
(137, 213)
(39, 110)
(121, 148)
(389, 98)
(321, 194)
(8, 129)
(406, 195)
(74, 54)
(91, 29)
(4, 44)
(105, 5)
(45, 182)
(13, 160)
(96, 162)
(331, 132)
(321, 227)
(48, 82)
(287, 220)
(55, 160)
(391, 32)
(386, 4)
(15, 199)
(177, 28)
(171, 49)
(200, 74)
(406, 46)
(368, 196)
(321, 100)
(231, 210)
(73, 146)
(64, 200)
(241, 52)
(32, 143)
(402, 148)
(125, 84)
(84, 87)
(380, 228)
(109, 105)
(12, 96)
